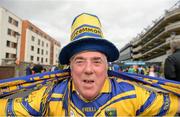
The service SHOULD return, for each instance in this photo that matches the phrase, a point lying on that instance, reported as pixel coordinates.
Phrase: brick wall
(7, 72)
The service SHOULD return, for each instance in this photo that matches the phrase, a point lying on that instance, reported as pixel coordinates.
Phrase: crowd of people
(38, 68)
(150, 70)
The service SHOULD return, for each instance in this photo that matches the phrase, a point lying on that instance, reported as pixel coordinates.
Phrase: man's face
(89, 71)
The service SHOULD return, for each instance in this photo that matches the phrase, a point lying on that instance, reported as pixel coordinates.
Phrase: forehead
(89, 54)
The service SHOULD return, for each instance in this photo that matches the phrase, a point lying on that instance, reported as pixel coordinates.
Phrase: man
(90, 91)
(29, 69)
(172, 62)
(37, 69)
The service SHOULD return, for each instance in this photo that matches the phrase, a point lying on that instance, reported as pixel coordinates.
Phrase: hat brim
(90, 44)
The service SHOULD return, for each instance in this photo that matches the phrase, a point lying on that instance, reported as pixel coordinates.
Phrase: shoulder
(61, 86)
(119, 85)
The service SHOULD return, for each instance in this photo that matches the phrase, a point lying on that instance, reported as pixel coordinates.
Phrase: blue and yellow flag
(14, 85)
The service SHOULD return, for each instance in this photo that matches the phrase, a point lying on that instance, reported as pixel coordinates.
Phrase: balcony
(137, 48)
(173, 26)
(137, 56)
(172, 13)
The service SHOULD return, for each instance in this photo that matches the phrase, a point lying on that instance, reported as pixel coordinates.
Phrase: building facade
(125, 53)
(37, 46)
(153, 44)
(22, 41)
(10, 30)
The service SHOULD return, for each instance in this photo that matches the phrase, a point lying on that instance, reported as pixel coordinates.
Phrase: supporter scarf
(12, 85)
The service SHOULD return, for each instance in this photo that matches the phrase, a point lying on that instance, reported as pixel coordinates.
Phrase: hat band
(86, 30)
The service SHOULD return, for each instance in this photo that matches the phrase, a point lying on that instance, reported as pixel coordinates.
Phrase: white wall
(56, 54)
(29, 52)
(4, 24)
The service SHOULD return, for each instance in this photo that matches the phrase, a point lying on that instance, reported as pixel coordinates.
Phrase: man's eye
(79, 61)
(97, 61)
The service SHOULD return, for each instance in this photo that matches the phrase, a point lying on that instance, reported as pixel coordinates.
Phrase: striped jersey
(117, 98)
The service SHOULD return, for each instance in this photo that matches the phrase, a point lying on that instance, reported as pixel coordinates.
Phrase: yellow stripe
(173, 106)
(115, 98)
(52, 75)
(12, 83)
(46, 76)
(18, 108)
(36, 78)
(55, 95)
(3, 107)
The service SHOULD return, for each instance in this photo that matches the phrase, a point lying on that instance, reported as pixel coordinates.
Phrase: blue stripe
(9, 111)
(56, 99)
(165, 106)
(87, 34)
(148, 102)
(123, 98)
(60, 87)
(31, 110)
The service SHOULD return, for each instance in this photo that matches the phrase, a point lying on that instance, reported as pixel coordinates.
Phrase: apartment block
(11, 26)
(37, 46)
(23, 42)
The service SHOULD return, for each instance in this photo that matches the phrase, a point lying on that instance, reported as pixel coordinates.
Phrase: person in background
(116, 67)
(131, 69)
(89, 91)
(37, 69)
(29, 69)
(172, 62)
(152, 71)
(54, 68)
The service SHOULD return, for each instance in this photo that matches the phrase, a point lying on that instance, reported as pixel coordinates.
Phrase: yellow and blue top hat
(87, 36)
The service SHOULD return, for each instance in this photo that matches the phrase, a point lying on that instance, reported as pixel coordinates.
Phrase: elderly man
(90, 91)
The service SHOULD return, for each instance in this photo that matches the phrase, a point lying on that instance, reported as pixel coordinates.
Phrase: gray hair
(175, 44)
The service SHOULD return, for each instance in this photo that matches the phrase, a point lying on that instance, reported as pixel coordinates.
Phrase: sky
(121, 20)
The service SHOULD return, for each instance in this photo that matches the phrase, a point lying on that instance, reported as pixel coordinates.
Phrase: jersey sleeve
(152, 103)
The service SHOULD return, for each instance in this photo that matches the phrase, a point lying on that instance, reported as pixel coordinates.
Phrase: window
(16, 23)
(46, 60)
(13, 55)
(7, 55)
(41, 60)
(14, 45)
(13, 21)
(8, 43)
(46, 52)
(37, 58)
(9, 31)
(46, 44)
(32, 38)
(39, 41)
(10, 20)
(14, 33)
(31, 58)
(38, 50)
(32, 48)
(42, 51)
(42, 43)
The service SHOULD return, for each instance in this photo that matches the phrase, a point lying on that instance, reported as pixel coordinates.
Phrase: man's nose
(89, 68)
